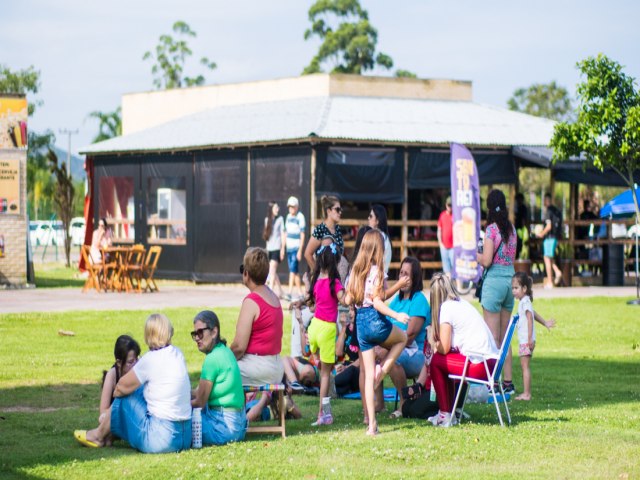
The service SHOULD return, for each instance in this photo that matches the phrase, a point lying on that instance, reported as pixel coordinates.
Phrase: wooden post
(573, 210)
(312, 190)
(404, 237)
(512, 203)
(248, 198)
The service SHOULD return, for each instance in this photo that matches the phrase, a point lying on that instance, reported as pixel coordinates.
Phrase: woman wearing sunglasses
(332, 212)
(219, 392)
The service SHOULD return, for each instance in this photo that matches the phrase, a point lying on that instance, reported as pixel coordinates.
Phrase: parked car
(46, 233)
(77, 230)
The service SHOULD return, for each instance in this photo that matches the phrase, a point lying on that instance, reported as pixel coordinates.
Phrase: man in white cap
(294, 227)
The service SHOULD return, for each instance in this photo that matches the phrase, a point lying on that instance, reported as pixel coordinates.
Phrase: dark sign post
(465, 200)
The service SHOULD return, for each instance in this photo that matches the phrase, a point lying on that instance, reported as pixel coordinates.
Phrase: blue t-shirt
(418, 306)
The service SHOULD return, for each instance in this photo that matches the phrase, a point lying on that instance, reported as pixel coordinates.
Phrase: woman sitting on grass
(152, 406)
(126, 352)
(219, 392)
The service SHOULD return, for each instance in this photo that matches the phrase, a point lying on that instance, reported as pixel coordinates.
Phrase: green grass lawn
(583, 422)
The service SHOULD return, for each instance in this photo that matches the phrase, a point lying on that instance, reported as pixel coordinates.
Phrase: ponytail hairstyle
(526, 282)
(268, 225)
(210, 319)
(124, 344)
(328, 202)
(370, 254)
(327, 258)
(497, 213)
(442, 289)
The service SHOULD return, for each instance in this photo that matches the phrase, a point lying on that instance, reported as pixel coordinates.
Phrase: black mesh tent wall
(431, 168)
(276, 174)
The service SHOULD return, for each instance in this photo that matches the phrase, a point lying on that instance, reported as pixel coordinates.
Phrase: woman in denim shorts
(498, 255)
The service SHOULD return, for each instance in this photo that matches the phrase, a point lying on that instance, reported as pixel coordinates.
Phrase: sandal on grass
(396, 414)
(81, 437)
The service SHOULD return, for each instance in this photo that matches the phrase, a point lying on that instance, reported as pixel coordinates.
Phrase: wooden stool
(279, 390)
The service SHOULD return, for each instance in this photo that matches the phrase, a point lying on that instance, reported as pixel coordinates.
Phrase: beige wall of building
(148, 109)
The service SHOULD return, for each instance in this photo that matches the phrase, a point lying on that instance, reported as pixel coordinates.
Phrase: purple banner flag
(465, 203)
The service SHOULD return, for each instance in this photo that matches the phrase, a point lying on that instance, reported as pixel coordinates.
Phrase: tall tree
(64, 196)
(350, 44)
(607, 128)
(546, 100)
(170, 57)
(109, 124)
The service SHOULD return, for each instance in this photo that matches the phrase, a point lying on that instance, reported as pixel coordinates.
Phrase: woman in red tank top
(258, 340)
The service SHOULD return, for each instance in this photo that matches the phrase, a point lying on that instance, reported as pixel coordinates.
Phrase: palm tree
(109, 124)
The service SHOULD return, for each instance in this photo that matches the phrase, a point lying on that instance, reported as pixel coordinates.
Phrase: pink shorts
(524, 350)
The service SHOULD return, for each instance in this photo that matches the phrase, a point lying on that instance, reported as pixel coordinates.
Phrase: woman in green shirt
(219, 393)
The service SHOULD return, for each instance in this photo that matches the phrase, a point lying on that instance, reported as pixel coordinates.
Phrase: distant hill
(77, 163)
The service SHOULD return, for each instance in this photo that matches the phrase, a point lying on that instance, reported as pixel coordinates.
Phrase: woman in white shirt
(152, 406)
(457, 328)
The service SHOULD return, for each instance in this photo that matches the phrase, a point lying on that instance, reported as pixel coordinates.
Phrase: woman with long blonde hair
(366, 290)
(457, 329)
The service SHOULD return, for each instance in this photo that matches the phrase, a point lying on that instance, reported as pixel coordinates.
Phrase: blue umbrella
(620, 206)
(623, 206)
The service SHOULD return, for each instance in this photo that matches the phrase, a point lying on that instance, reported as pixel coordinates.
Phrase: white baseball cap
(292, 202)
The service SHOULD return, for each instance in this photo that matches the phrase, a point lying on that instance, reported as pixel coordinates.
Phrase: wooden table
(114, 267)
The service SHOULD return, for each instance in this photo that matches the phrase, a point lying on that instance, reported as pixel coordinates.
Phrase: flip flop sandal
(81, 437)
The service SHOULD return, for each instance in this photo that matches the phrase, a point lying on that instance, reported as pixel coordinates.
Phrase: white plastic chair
(493, 376)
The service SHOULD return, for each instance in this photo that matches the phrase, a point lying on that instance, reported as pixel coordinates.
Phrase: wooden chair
(134, 267)
(276, 389)
(93, 280)
(150, 264)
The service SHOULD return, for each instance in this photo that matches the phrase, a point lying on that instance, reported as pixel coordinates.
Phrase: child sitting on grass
(521, 287)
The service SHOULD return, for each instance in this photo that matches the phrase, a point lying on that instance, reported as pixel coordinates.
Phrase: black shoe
(508, 387)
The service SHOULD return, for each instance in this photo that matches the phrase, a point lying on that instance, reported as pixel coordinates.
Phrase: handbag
(480, 283)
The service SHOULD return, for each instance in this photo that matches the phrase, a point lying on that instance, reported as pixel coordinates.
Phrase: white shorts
(260, 369)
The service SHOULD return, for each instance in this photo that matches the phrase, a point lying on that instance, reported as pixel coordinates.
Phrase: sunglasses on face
(199, 333)
(337, 209)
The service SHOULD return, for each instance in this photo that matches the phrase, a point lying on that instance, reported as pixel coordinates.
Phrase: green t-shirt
(221, 368)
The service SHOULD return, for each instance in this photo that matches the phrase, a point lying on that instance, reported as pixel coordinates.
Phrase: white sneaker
(443, 419)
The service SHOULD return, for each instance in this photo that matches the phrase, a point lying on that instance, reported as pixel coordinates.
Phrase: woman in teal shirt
(219, 393)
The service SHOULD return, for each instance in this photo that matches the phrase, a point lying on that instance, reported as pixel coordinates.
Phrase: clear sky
(89, 53)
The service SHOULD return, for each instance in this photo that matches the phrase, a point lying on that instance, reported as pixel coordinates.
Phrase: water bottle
(196, 428)
(432, 393)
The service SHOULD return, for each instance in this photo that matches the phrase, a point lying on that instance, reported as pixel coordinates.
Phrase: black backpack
(556, 222)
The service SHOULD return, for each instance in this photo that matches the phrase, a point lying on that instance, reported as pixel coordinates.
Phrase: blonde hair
(442, 289)
(157, 331)
(370, 253)
(327, 202)
(256, 264)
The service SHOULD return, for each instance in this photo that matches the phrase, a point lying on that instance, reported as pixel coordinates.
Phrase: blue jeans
(412, 364)
(292, 260)
(372, 328)
(220, 426)
(131, 421)
(447, 259)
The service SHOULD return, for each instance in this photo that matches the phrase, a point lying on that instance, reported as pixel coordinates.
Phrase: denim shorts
(131, 421)
(372, 328)
(549, 247)
(496, 289)
(292, 260)
(221, 426)
(412, 364)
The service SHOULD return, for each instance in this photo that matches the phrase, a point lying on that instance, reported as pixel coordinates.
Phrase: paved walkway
(197, 296)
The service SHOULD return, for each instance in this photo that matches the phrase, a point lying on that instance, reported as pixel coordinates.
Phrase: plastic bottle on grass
(196, 428)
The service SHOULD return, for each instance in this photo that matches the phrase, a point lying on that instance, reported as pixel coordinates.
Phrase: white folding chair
(493, 376)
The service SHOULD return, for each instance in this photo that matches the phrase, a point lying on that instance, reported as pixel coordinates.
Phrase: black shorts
(274, 255)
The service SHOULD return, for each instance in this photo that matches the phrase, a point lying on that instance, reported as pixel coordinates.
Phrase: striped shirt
(294, 226)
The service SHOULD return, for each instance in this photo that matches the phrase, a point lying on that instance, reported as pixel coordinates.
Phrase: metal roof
(341, 118)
